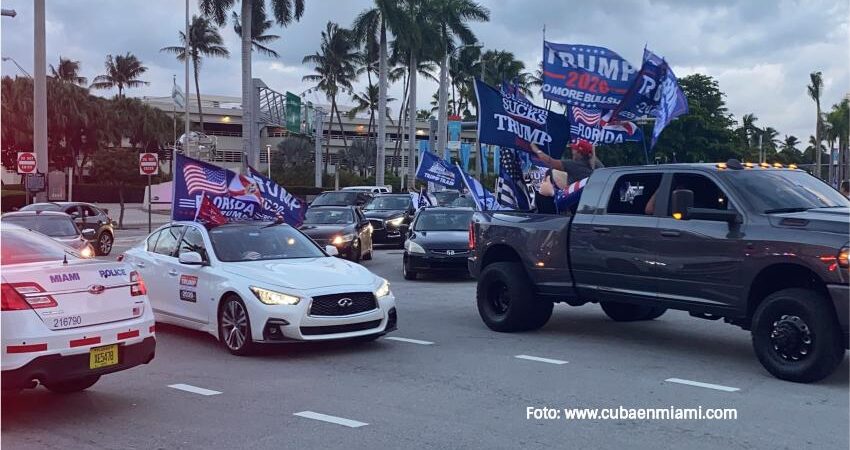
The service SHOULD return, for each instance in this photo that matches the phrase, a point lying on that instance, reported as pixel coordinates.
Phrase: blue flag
(484, 199)
(645, 93)
(672, 103)
(510, 120)
(585, 76)
(434, 169)
(277, 201)
(596, 126)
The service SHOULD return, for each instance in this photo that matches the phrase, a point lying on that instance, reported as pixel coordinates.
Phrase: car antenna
(65, 259)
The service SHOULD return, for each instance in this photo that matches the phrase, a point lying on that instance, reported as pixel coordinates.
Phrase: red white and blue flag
(204, 179)
(599, 127)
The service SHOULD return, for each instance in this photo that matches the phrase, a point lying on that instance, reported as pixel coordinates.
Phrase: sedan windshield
(336, 198)
(53, 226)
(331, 216)
(389, 203)
(261, 242)
(443, 221)
(776, 191)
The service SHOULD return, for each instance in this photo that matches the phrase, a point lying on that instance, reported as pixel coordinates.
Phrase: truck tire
(796, 335)
(506, 300)
(628, 312)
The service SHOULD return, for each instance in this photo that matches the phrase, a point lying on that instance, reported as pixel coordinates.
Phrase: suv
(758, 246)
(57, 225)
(86, 216)
(342, 198)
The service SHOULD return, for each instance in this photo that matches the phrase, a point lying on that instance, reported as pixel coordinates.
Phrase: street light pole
(318, 122)
(186, 85)
(40, 93)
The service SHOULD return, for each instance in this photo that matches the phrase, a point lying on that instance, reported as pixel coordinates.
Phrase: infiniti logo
(345, 302)
(96, 289)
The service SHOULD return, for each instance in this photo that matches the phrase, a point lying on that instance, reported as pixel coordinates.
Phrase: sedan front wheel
(234, 326)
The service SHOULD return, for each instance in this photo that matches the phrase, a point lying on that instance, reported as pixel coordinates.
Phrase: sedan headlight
(395, 222)
(338, 240)
(413, 247)
(274, 298)
(383, 290)
(87, 251)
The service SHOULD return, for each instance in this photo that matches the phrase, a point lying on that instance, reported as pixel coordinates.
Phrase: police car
(259, 282)
(67, 320)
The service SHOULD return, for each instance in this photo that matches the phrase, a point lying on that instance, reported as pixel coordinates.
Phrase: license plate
(103, 356)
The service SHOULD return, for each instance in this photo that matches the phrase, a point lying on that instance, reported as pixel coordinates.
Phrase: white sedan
(67, 320)
(259, 282)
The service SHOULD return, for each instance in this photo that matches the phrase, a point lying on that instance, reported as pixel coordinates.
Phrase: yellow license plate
(103, 356)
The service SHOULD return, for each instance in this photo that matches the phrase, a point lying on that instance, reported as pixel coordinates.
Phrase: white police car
(253, 282)
(67, 320)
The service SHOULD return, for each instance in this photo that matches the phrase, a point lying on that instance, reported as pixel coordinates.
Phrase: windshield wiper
(786, 210)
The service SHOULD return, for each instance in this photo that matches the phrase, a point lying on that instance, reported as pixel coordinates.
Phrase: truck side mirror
(683, 200)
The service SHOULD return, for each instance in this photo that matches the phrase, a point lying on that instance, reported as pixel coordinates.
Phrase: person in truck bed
(578, 163)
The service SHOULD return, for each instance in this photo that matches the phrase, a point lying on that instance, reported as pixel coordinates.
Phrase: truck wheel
(506, 300)
(628, 312)
(796, 335)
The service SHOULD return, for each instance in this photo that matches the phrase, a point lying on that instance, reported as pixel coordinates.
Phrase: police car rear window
(21, 247)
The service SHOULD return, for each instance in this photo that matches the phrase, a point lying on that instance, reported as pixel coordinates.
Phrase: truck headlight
(413, 247)
(383, 290)
(395, 222)
(274, 298)
(338, 240)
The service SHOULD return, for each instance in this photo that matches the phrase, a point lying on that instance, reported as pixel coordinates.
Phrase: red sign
(26, 162)
(148, 163)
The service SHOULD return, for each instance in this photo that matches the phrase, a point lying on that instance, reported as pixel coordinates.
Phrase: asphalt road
(466, 389)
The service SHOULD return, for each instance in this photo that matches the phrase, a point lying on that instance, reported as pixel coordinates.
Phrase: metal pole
(40, 95)
(186, 85)
(317, 126)
(269, 158)
(150, 203)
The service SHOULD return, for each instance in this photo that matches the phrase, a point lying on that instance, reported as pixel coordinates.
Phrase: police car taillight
(23, 292)
(138, 287)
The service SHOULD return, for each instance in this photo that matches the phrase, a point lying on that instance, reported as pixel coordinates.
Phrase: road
(455, 384)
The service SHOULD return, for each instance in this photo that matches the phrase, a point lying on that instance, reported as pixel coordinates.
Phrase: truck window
(706, 193)
(632, 192)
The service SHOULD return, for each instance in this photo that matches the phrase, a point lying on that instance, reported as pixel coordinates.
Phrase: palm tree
(68, 71)
(258, 29)
(815, 90)
(789, 154)
(451, 17)
(284, 11)
(334, 69)
(122, 71)
(204, 40)
(368, 101)
(839, 119)
(462, 72)
(501, 66)
(386, 15)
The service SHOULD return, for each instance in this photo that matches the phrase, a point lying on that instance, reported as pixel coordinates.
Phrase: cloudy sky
(760, 51)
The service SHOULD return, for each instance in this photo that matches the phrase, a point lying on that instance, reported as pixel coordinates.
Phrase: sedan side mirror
(191, 259)
(331, 250)
(683, 200)
(89, 233)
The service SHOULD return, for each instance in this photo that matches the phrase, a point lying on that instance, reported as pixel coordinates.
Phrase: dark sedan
(438, 241)
(344, 227)
(57, 225)
(86, 216)
(342, 198)
(390, 215)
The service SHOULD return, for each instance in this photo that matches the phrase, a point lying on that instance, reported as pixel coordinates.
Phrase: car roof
(238, 224)
(447, 208)
(36, 213)
(392, 194)
(332, 207)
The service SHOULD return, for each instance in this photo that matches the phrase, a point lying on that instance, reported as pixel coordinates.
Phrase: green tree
(334, 69)
(69, 71)
(122, 72)
(118, 169)
(204, 40)
(789, 153)
(284, 12)
(368, 101)
(259, 38)
(815, 89)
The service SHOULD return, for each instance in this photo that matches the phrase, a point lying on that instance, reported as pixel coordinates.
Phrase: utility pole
(318, 123)
(186, 86)
(40, 94)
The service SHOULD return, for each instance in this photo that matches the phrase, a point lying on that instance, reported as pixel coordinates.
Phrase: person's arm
(550, 162)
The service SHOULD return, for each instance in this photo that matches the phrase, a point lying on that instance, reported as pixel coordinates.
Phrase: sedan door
(192, 297)
(156, 269)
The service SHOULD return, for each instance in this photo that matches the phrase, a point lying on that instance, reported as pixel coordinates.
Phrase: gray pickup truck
(760, 246)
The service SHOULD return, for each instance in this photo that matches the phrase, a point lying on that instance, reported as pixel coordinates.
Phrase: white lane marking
(331, 419)
(411, 341)
(193, 389)
(703, 385)
(539, 359)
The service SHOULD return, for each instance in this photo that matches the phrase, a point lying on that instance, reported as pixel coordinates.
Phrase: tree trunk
(247, 91)
(341, 130)
(411, 132)
(442, 113)
(198, 96)
(330, 132)
(121, 209)
(382, 107)
(817, 143)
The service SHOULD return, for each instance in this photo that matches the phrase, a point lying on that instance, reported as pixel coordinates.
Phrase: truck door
(699, 260)
(614, 258)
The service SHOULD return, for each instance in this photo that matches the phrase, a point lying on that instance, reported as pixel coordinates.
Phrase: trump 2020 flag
(511, 190)
(597, 126)
(276, 201)
(434, 169)
(509, 120)
(195, 179)
(585, 76)
(672, 102)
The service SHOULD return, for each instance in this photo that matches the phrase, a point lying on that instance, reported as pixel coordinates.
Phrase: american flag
(588, 116)
(202, 179)
(510, 186)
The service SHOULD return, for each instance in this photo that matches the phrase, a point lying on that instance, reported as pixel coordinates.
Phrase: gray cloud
(761, 52)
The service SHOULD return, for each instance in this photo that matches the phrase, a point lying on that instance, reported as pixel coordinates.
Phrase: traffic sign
(26, 162)
(36, 182)
(148, 163)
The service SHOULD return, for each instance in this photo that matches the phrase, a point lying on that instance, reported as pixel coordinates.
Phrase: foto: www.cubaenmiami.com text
(623, 413)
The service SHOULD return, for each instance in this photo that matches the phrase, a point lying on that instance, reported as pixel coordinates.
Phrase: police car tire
(628, 312)
(75, 385)
(523, 312)
(827, 348)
